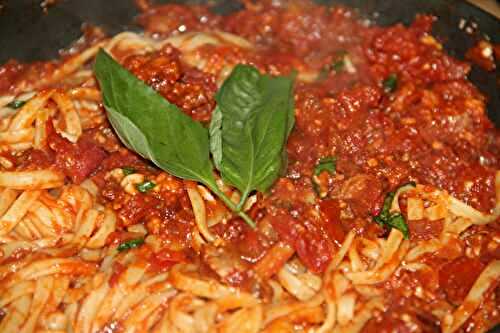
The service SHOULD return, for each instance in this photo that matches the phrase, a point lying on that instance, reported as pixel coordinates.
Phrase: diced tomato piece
(311, 242)
(314, 250)
(90, 159)
(166, 258)
(119, 159)
(477, 53)
(458, 276)
(425, 229)
(138, 208)
(330, 212)
(77, 161)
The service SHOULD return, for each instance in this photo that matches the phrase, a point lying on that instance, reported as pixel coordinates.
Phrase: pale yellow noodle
(489, 277)
(31, 180)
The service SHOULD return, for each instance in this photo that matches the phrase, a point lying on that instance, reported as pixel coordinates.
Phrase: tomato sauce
(190, 89)
(458, 276)
(78, 160)
(429, 127)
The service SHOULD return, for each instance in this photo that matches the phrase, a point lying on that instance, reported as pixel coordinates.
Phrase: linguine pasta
(62, 268)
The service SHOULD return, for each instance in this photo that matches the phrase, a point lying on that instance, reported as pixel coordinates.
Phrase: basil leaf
(338, 65)
(150, 125)
(128, 170)
(131, 136)
(130, 244)
(389, 198)
(145, 186)
(290, 120)
(390, 83)
(384, 215)
(328, 164)
(397, 221)
(16, 104)
(393, 220)
(250, 127)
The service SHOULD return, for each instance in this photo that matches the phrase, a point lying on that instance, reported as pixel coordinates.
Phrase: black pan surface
(29, 33)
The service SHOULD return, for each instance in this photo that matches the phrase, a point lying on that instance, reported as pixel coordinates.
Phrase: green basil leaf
(397, 221)
(338, 65)
(131, 136)
(290, 121)
(130, 244)
(328, 164)
(128, 170)
(387, 203)
(254, 118)
(145, 186)
(393, 220)
(150, 125)
(390, 83)
(16, 104)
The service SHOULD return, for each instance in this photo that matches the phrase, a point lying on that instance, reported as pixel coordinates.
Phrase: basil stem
(236, 208)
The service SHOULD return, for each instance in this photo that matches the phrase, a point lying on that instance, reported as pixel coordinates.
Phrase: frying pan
(28, 33)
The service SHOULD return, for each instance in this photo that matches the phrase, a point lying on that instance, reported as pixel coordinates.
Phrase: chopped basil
(328, 164)
(338, 65)
(397, 221)
(128, 170)
(323, 73)
(393, 220)
(390, 83)
(16, 104)
(130, 244)
(146, 186)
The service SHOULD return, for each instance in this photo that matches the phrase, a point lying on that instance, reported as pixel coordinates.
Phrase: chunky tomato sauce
(430, 127)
